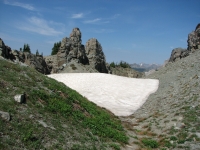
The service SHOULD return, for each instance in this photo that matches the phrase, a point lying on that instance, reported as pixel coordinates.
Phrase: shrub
(150, 143)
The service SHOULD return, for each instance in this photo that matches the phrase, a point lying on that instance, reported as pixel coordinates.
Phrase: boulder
(178, 53)
(20, 98)
(95, 55)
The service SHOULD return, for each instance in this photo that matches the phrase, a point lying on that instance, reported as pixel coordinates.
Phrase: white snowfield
(121, 95)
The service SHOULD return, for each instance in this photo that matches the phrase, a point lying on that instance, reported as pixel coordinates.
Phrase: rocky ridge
(34, 61)
(72, 57)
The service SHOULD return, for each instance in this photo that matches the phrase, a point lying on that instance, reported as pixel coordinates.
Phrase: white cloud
(39, 26)
(25, 6)
(92, 21)
(76, 16)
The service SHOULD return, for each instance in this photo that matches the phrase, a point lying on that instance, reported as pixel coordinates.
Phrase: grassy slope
(72, 121)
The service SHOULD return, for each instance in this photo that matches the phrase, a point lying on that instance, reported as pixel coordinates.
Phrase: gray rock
(194, 39)
(45, 125)
(95, 55)
(193, 45)
(20, 98)
(72, 52)
(5, 115)
(36, 62)
(72, 49)
(42, 123)
(198, 134)
(178, 53)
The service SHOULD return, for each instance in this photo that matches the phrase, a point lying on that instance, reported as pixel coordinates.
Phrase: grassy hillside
(53, 116)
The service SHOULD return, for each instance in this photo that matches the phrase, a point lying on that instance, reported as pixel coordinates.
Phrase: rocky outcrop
(72, 49)
(35, 61)
(4, 50)
(52, 63)
(178, 53)
(89, 58)
(95, 55)
(194, 39)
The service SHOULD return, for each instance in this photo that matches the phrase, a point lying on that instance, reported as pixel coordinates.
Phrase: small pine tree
(20, 49)
(26, 48)
(37, 53)
(112, 64)
(55, 48)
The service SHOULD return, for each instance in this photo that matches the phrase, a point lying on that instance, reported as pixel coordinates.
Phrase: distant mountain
(143, 67)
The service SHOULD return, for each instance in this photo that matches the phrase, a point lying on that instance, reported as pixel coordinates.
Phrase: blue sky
(130, 30)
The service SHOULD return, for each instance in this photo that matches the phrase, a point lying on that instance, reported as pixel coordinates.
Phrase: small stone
(20, 98)
(198, 134)
(42, 123)
(180, 118)
(5, 115)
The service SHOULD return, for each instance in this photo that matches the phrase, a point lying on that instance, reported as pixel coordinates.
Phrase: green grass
(57, 105)
(150, 143)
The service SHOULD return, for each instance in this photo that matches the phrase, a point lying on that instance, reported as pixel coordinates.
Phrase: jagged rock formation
(178, 53)
(194, 39)
(74, 57)
(95, 55)
(4, 50)
(72, 49)
(35, 61)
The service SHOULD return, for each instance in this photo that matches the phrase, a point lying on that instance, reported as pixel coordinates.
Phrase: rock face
(52, 63)
(4, 50)
(178, 53)
(194, 39)
(35, 61)
(95, 55)
(72, 53)
(72, 49)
